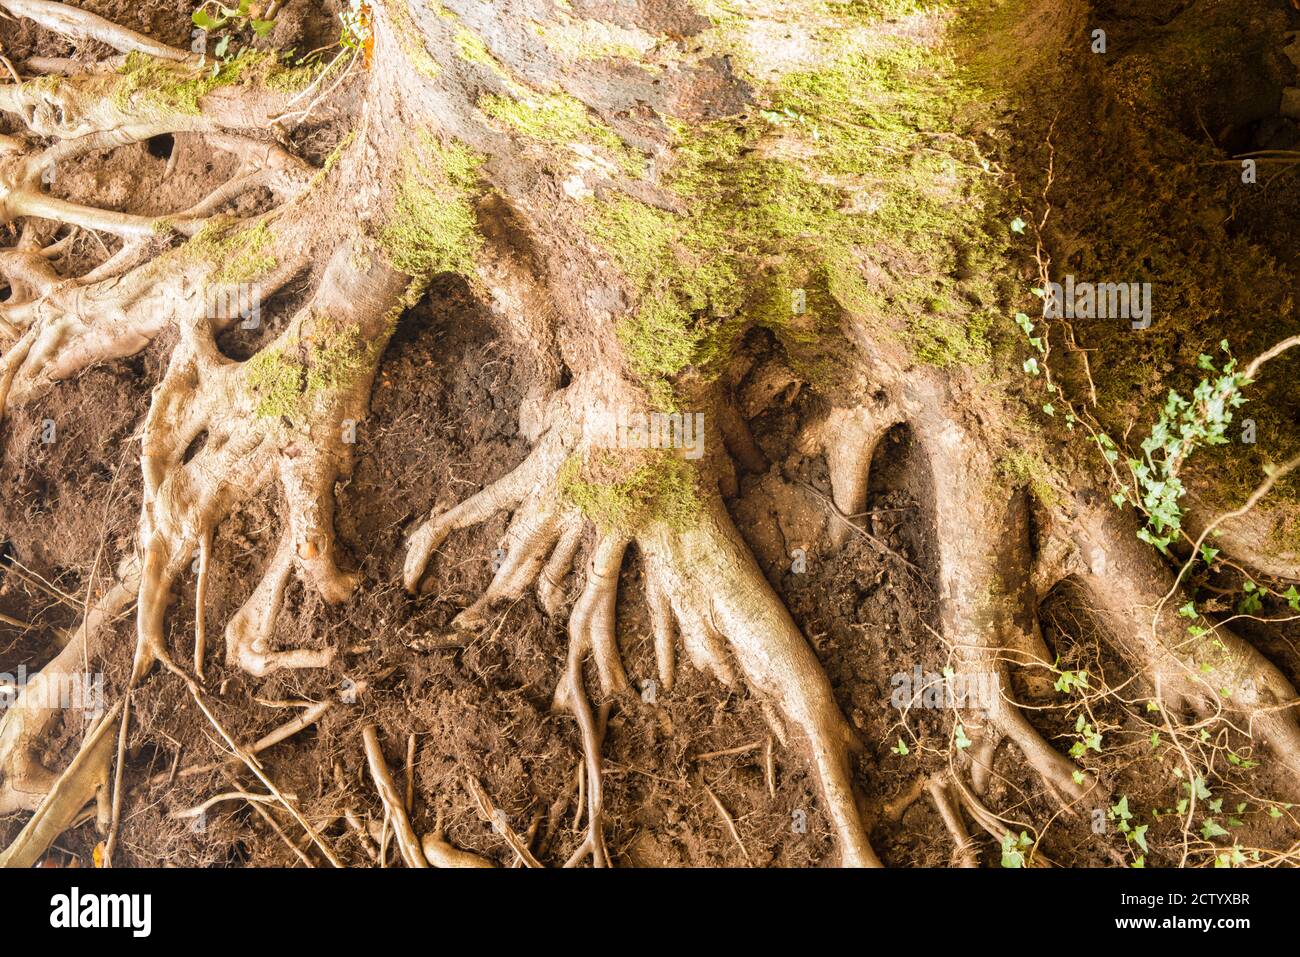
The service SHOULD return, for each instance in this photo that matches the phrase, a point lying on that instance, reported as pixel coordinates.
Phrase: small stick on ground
(410, 773)
(252, 765)
(367, 843)
(350, 815)
(274, 825)
(309, 716)
(530, 837)
(199, 809)
(726, 819)
(769, 768)
(266, 816)
(742, 749)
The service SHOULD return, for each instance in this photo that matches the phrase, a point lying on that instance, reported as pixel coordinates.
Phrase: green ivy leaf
(1139, 836)
(1013, 850)
(962, 741)
(1211, 829)
(205, 21)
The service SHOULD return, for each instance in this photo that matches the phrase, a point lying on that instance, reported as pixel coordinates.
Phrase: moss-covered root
(290, 414)
(702, 583)
(73, 327)
(1190, 664)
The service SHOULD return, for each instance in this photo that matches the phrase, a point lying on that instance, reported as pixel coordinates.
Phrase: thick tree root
(849, 438)
(1215, 673)
(84, 25)
(62, 325)
(702, 581)
(305, 447)
(187, 493)
(987, 599)
(25, 782)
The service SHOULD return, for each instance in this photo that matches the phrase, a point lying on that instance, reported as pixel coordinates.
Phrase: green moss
(594, 40)
(471, 49)
(295, 79)
(286, 379)
(869, 10)
(276, 382)
(947, 333)
(339, 150)
(410, 39)
(240, 254)
(431, 227)
(850, 187)
(685, 284)
(560, 120)
(1027, 469)
(149, 86)
(337, 363)
(623, 495)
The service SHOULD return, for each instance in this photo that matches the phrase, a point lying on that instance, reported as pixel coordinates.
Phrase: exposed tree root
(26, 783)
(987, 611)
(84, 25)
(703, 581)
(986, 590)
(219, 432)
(187, 495)
(497, 819)
(205, 394)
(848, 438)
(1208, 674)
(394, 807)
(62, 325)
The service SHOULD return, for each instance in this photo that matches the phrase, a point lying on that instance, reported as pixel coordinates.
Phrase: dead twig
(726, 819)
